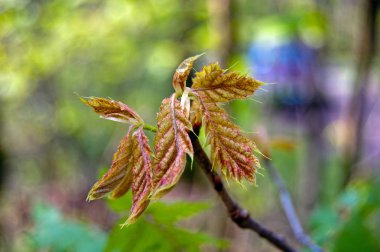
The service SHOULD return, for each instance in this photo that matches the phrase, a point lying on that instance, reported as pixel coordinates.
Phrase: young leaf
(113, 110)
(142, 175)
(216, 85)
(171, 143)
(124, 186)
(230, 150)
(195, 114)
(182, 72)
(119, 171)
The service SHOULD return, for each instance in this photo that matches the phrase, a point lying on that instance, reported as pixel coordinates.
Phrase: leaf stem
(149, 127)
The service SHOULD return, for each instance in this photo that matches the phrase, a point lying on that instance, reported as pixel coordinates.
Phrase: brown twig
(237, 214)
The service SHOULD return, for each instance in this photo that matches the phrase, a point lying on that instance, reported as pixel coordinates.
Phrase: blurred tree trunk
(222, 18)
(3, 175)
(357, 110)
(3, 172)
(186, 21)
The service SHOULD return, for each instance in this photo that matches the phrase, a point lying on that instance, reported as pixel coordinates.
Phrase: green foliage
(352, 222)
(158, 229)
(52, 232)
(50, 49)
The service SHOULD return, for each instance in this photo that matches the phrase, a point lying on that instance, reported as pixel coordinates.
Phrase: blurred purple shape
(291, 66)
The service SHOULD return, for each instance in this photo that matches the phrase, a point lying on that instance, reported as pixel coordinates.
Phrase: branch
(290, 212)
(237, 214)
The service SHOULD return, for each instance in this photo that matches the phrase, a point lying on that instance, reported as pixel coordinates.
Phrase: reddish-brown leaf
(230, 149)
(195, 114)
(182, 72)
(216, 85)
(124, 186)
(171, 143)
(142, 174)
(113, 110)
(119, 172)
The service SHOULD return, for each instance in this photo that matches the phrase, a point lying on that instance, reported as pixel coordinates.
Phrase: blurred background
(318, 118)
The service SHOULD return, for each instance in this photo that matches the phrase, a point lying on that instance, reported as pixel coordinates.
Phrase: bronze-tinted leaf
(113, 110)
(182, 72)
(119, 171)
(142, 175)
(171, 143)
(216, 85)
(195, 114)
(230, 149)
(124, 186)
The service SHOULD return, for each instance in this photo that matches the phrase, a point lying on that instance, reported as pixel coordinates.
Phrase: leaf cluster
(151, 174)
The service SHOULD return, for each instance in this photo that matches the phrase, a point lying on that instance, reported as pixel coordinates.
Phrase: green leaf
(122, 204)
(160, 231)
(351, 223)
(356, 236)
(53, 232)
(179, 210)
